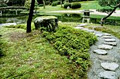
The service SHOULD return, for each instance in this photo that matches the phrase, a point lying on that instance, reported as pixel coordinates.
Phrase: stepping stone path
(100, 52)
(106, 47)
(105, 56)
(110, 66)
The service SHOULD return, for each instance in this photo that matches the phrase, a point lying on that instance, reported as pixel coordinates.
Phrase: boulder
(48, 22)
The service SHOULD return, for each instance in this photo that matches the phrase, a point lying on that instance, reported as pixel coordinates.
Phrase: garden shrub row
(74, 44)
(72, 5)
(55, 3)
(106, 10)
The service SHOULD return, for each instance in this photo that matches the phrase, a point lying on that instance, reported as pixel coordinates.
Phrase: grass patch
(114, 30)
(33, 56)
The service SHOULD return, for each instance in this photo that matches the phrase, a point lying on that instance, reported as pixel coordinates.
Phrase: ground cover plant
(45, 55)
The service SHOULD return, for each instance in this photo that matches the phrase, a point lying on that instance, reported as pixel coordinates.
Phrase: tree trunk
(44, 3)
(103, 19)
(30, 16)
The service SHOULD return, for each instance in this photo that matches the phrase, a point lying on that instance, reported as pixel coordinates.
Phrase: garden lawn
(34, 56)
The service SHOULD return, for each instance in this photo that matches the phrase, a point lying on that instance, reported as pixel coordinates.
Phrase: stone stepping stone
(79, 27)
(82, 25)
(107, 58)
(107, 75)
(110, 66)
(98, 35)
(111, 43)
(106, 34)
(100, 52)
(107, 37)
(105, 47)
(110, 40)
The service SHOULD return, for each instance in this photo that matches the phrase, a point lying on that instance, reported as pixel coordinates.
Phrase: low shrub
(74, 44)
(3, 5)
(55, 3)
(106, 10)
(75, 5)
(67, 5)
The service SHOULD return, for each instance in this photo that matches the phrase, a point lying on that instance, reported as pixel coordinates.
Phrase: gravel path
(105, 56)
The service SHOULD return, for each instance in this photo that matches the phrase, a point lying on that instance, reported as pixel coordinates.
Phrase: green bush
(75, 5)
(55, 3)
(106, 10)
(74, 44)
(3, 5)
(67, 5)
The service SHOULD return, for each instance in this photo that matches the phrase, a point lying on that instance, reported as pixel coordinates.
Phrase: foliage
(75, 5)
(3, 5)
(16, 2)
(106, 10)
(55, 3)
(74, 44)
(67, 5)
(110, 3)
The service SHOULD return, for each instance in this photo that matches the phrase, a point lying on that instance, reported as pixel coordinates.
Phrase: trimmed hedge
(67, 5)
(75, 5)
(106, 10)
(74, 44)
(55, 3)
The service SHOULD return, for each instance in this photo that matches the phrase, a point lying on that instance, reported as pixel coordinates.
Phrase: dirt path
(105, 56)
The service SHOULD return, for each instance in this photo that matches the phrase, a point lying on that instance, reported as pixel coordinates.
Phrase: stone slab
(110, 40)
(111, 43)
(82, 25)
(79, 27)
(107, 58)
(107, 75)
(107, 34)
(110, 66)
(98, 35)
(100, 52)
(105, 47)
(107, 37)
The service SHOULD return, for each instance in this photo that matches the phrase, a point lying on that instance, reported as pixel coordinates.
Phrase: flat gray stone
(105, 47)
(107, 75)
(79, 27)
(111, 43)
(100, 52)
(98, 35)
(82, 25)
(107, 37)
(110, 40)
(107, 34)
(107, 58)
(110, 66)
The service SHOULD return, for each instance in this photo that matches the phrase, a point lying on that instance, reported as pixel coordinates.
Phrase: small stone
(82, 25)
(110, 66)
(98, 35)
(79, 27)
(107, 75)
(107, 37)
(106, 34)
(111, 43)
(106, 47)
(100, 52)
(110, 40)
(107, 58)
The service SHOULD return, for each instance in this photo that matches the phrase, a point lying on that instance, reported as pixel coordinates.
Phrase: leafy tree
(30, 16)
(110, 3)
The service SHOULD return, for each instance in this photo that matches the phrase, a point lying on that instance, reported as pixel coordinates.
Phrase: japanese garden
(59, 39)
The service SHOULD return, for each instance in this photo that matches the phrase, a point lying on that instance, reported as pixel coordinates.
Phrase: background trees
(109, 3)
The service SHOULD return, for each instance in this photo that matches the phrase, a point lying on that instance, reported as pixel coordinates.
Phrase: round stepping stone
(107, 37)
(111, 43)
(110, 40)
(98, 35)
(107, 58)
(100, 52)
(107, 75)
(106, 47)
(110, 66)
(106, 34)
(79, 27)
